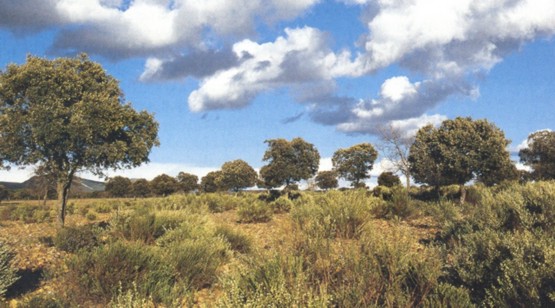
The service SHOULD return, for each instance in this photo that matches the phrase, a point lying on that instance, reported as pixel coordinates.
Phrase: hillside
(79, 184)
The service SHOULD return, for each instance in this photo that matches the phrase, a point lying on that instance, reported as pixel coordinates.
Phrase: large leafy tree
(388, 179)
(187, 182)
(354, 163)
(540, 154)
(69, 115)
(289, 162)
(140, 188)
(3, 193)
(238, 174)
(211, 181)
(458, 151)
(119, 186)
(163, 185)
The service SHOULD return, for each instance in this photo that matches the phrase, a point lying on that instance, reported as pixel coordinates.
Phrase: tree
(187, 182)
(118, 186)
(289, 162)
(540, 154)
(238, 174)
(388, 179)
(354, 163)
(458, 151)
(326, 180)
(163, 185)
(4, 193)
(69, 115)
(211, 181)
(140, 188)
(396, 145)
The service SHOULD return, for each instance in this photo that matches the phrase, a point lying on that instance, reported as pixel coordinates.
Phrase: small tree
(289, 162)
(396, 147)
(163, 185)
(118, 186)
(237, 175)
(69, 115)
(388, 179)
(327, 180)
(540, 155)
(187, 182)
(141, 188)
(354, 163)
(211, 181)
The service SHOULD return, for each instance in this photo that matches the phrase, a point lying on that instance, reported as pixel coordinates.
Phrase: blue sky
(222, 76)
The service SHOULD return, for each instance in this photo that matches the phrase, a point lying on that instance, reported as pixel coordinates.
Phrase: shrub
(196, 261)
(91, 216)
(100, 273)
(335, 214)
(400, 205)
(41, 300)
(237, 240)
(72, 239)
(131, 298)
(8, 274)
(282, 205)
(254, 212)
(272, 282)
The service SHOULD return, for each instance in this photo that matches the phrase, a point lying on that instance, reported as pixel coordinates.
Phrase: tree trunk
(462, 190)
(63, 187)
(407, 178)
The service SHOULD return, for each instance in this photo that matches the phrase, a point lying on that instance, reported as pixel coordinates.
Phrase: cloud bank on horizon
(442, 48)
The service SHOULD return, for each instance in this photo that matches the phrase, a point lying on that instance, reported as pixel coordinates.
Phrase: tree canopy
(237, 175)
(540, 154)
(289, 162)
(326, 179)
(458, 151)
(187, 182)
(118, 186)
(388, 179)
(163, 185)
(354, 163)
(69, 115)
(211, 181)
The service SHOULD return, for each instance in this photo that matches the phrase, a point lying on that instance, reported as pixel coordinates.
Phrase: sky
(223, 76)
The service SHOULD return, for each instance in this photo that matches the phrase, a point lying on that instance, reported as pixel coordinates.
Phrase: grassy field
(307, 249)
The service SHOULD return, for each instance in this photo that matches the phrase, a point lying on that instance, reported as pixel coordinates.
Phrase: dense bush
(7, 273)
(399, 204)
(72, 239)
(237, 240)
(281, 205)
(335, 214)
(98, 274)
(253, 212)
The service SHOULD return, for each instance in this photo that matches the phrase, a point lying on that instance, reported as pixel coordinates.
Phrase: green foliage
(4, 193)
(69, 115)
(8, 274)
(41, 300)
(131, 298)
(118, 186)
(289, 162)
(237, 175)
(253, 212)
(26, 213)
(326, 180)
(140, 188)
(163, 185)
(98, 274)
(282, 205)
(388, 179)
(72, 239)
(187, 182)
(237, 240)
(398, 204)
(211, 182)
(540, 154)
(278, 281)
(457, 151)
(335, 214)
(354, 163)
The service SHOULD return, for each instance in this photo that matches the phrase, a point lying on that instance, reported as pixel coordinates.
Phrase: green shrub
(196, 261)
(27, 213)
(146, 226)
(253, 212)
(131, 298)
(237, 240)
(282, 205)
(8, 274)
(278, 281)
(72, 239)
(98, 274)
(399, 205)
(41, 300)
(104, 207)
(335, 214)
(91, 216)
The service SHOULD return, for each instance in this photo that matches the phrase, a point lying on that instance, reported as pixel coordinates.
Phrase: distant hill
(79, 184)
